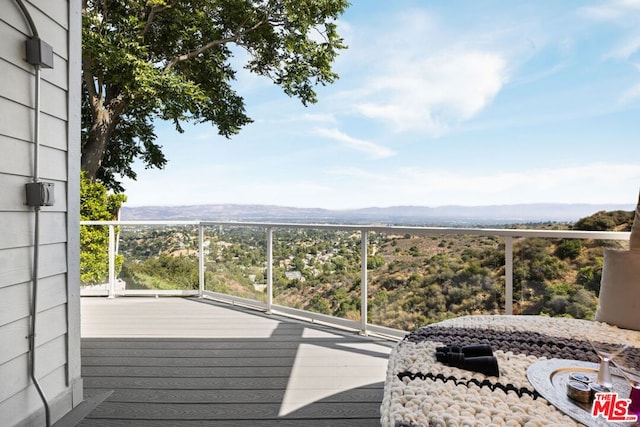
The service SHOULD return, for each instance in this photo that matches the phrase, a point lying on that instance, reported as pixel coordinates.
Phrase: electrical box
(40, 194)
(39, 53)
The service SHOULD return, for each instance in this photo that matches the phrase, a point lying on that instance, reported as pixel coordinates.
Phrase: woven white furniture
(419, 391)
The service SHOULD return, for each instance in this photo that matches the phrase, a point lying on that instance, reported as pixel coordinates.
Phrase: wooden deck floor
(187, 362)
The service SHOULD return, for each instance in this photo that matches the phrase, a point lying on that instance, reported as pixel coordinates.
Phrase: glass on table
(628, 363)
(607, 346)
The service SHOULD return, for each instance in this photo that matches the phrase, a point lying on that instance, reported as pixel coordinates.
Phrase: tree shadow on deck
(302, 374)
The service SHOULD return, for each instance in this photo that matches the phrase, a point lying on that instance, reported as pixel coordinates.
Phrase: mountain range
(452, 215)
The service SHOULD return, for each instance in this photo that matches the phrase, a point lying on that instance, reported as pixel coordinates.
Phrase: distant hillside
(415, 215)
(415, 279)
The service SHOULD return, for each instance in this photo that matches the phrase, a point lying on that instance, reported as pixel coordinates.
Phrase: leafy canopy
(172, 60)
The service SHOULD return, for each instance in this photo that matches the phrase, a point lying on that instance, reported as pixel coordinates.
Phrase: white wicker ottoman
(419, 391)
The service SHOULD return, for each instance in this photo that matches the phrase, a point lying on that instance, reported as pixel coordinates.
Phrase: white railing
(508, 235)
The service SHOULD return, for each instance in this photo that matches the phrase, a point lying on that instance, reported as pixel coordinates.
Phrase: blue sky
(439, 102)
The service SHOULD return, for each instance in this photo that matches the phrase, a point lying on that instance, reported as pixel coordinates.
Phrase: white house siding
(57, 325)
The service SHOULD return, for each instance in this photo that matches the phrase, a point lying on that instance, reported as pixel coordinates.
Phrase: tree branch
(95, 95)
(104, 9)
(154, 11)
(117, 105)
(213, 43)
(87, 75)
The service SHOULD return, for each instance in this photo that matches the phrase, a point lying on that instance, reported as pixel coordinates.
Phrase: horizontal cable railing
(506, 235)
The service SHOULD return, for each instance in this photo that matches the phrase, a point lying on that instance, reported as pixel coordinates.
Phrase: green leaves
(96, 205)
(170, 59)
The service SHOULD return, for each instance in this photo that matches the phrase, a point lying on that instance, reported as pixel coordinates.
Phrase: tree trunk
(95, 146)
(98, 137)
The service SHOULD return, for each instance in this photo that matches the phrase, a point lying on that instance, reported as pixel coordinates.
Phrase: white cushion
(620, 289)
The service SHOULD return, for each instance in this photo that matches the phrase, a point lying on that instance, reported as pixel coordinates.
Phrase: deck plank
(229, 361)
(227, 396)
(280, 422)
(223, 411)
(188, 362)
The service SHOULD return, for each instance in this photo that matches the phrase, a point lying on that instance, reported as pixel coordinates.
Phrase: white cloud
(436, 90)
(372, 150)
(435, 187)
(632, 94)
(613, 10)
(316, 118)
(356, 173)
(304, 119)
(626, 48)
(426, 76)
(633, 4)
(540, 74)
(625, 14)
(352, 187)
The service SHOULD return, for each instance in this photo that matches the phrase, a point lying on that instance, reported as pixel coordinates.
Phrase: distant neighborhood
(413, 279)
(457, 216)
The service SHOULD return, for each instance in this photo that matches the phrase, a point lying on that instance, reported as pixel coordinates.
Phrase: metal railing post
(269, 269)
(200, 260)
(363, 283)
(508, 275)
(112, 261)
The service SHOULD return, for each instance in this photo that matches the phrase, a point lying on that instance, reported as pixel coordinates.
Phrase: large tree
(172, 60)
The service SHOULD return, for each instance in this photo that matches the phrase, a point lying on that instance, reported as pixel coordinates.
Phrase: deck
(188, 361)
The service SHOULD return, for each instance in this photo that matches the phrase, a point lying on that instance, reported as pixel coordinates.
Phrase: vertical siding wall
(57, 333)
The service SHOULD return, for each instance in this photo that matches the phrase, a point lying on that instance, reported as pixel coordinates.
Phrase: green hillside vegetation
(413, 280)
(96, 204)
